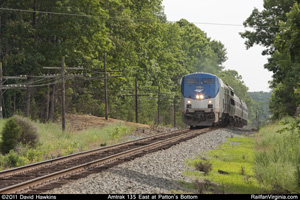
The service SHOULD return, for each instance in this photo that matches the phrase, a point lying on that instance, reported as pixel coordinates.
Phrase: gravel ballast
(158, 172)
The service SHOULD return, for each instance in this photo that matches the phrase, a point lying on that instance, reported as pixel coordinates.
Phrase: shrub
(1, 162)
(11, 159)
(202, 186)
(118, 132)
(33, 155)
(10, 134)
(29, 134)
(205, 167)
(14, 160)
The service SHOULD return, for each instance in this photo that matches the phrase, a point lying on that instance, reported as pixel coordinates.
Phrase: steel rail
(110, 159)
(25, 168)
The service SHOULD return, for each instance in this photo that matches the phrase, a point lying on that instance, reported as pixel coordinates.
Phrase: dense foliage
(277, 28)
(277, 158)
(18, 131)
(10, 134)
(133, 36)
(260, 107)
(29, 135)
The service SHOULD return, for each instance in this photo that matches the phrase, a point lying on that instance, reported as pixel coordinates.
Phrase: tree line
(137, 41)
(277, 28)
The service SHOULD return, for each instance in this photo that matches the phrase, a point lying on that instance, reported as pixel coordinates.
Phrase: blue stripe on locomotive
(189, 87)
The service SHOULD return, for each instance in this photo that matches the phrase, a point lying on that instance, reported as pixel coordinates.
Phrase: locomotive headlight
(210, 101)
(188, 102)
(199, 96)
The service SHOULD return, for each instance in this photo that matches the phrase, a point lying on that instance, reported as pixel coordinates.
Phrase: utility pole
(136, 102)
(136, 95)
(105, 86)
(257, 119)
(1, 73)
(1, 78)
(47, 102)
(62, 68)
(158, 106)
(6, 87)
(28, 98)
(174, 111)
(63, 120)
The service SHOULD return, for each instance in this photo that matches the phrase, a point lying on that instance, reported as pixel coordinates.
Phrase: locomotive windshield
(200, 83)
(208, 81)
(191, 81)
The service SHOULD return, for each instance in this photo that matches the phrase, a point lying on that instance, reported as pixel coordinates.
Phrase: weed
(118, 132)
(205, 167)
(230, 159)
(244, 157)
(297, 173)
(242, 171)
(202, 186)
(14, 160)
(33, 155)
(278, 155)
(248, 179)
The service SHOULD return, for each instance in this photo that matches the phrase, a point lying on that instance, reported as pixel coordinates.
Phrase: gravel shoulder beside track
(158, 172)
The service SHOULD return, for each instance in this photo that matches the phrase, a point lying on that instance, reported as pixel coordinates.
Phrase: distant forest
(261, 113)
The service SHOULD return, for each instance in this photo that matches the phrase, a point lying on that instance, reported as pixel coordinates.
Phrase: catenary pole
(63, 120)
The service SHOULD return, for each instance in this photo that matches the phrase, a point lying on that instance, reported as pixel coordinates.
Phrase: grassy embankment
(267, 162)
(54, 143)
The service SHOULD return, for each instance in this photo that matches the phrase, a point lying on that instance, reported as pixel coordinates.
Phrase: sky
(248, 63)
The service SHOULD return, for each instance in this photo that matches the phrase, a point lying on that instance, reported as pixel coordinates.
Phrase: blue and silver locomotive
(207, 101)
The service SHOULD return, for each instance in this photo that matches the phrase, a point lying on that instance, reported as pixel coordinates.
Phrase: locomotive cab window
(208, 81)
(191, 81)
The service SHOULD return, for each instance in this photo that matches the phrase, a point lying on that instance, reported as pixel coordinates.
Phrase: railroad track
(43, 176)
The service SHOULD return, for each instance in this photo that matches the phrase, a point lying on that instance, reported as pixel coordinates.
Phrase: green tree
(10, 134)
(276, 28)
(287, 59)
(234, 80)
(201, 55)
(135, 37)
(264, 24)
(31, 40)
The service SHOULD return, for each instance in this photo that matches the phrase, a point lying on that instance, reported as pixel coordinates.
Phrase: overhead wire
(123, 18)
(108, 17)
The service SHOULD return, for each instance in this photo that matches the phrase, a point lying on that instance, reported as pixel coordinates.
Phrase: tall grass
(277, 159)
(54, 143)
(58, 143)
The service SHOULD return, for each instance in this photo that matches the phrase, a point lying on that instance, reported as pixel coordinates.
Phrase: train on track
(207, 101)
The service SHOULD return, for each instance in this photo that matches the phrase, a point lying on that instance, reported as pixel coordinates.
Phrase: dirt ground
(78, 122)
